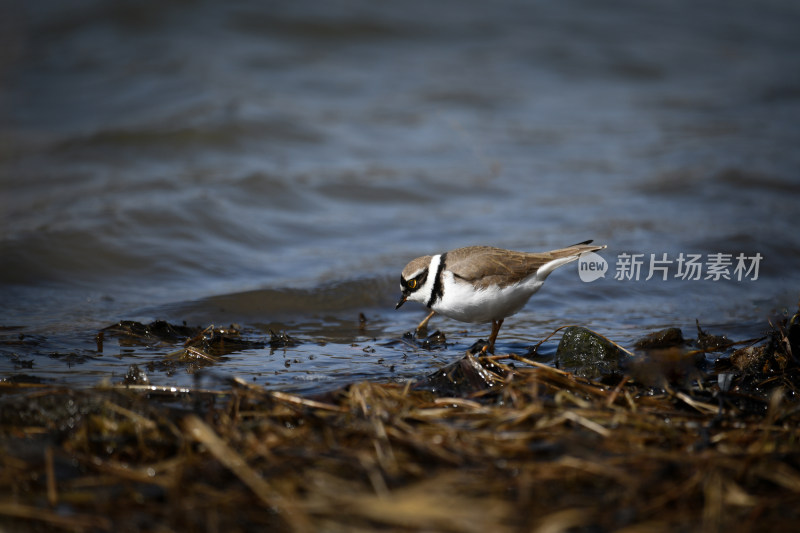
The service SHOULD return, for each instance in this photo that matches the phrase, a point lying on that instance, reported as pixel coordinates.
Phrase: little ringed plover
(481, 284)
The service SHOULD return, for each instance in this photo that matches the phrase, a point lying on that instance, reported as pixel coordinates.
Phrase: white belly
(461, 302)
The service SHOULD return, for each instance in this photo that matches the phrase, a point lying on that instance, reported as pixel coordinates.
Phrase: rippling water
(277, 165)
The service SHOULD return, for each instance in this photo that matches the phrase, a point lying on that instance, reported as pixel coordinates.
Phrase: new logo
(591, 267)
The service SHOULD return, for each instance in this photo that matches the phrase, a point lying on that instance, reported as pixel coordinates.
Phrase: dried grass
(537, 449)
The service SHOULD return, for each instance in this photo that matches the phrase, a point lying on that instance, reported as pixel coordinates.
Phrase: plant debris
(282, 340)
(490, 443)
(158, 331)
(665, 338)
(708, 342)
(435, 340)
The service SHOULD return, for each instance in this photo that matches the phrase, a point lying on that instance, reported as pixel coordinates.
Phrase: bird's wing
(485, 265)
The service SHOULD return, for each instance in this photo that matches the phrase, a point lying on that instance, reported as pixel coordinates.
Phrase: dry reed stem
(232, 460)
(76, 522)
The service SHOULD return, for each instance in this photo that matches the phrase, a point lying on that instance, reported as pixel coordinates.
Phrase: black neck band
(438, 286)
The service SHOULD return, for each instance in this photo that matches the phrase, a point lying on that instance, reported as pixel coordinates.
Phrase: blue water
(277, 165)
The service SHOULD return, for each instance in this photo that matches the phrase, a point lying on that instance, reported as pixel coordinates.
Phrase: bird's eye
(412, 284)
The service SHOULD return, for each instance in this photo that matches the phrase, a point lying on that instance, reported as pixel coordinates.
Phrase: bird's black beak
(403, 299)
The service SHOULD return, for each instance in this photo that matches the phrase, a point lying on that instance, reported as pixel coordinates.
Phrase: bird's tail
(562, 256)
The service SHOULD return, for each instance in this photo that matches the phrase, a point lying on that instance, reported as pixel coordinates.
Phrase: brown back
(486, 265)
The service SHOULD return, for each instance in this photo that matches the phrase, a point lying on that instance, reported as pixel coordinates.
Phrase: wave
(267, 304)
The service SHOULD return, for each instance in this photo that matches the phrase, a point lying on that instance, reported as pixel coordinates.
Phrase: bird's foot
(422, 329)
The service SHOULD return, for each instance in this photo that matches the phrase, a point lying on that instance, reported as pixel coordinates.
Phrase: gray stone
(587, 354)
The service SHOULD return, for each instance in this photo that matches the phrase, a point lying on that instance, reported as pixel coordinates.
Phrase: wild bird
(481, 284)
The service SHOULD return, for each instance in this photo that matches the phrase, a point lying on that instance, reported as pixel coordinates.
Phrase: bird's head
(414, 282)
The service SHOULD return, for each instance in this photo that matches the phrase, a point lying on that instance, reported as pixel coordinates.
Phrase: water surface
(276, 166)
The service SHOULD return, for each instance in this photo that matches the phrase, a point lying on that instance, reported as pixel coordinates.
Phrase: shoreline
(499, 442)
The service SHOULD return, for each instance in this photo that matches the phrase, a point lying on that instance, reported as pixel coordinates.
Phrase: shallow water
(278, 166)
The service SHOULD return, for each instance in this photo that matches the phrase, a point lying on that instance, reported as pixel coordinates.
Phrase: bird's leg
(423, 326)
(493, 337)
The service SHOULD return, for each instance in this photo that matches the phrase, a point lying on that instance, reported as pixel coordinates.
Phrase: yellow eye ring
(412, 284)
